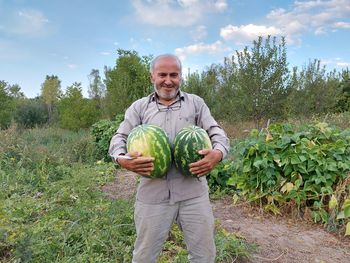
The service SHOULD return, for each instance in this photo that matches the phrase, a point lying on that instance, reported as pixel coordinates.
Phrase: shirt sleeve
(132, 118)
(217, 135)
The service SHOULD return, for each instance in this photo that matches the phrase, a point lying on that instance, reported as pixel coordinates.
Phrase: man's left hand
(204, 166)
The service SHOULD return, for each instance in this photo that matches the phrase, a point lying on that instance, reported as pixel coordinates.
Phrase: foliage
(31, 113)
(261, 79)
(219, 177)
(51, 92)
(279, 165)
(97, 92)
(96, 86)
(102, 132)
(7, 105)
(313, 90)
(51, 207)
(343, 102)
(127, 81)
(75, 112)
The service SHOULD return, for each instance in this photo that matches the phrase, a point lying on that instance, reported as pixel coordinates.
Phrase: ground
(279, 239)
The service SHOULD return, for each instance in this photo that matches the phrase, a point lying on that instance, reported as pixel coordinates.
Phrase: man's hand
(205, 165)
(140, 165)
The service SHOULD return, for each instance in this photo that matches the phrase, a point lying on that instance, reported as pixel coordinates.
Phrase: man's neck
(167, 102)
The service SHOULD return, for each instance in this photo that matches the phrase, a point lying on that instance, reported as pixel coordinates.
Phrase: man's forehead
(166, 62)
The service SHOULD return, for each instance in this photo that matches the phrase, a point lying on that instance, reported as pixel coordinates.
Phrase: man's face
(166, 78)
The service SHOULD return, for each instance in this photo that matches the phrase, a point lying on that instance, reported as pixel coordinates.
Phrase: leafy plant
(103, 131)
(280, 165)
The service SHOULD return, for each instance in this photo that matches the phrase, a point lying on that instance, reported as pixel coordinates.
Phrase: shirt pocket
(187, 119)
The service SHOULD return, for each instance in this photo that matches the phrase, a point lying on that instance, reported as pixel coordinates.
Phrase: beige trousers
(153, 223)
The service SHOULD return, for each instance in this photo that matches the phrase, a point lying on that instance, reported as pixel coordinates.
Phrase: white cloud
(316, 16)
(200, 48)
(221, 5)
(246, 33)
(148, 40)
(319, 17)
(105, 53)
(29, 22)
(337, 62)
(199, 33)
(342, 25)
(175, 12)
(72, 66)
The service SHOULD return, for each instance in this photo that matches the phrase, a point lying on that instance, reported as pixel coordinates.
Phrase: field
(60, 203)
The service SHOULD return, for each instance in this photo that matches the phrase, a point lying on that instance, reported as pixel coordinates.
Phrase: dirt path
(279, 239)
(282, 239)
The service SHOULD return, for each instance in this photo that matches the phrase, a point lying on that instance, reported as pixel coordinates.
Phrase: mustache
(168, 86)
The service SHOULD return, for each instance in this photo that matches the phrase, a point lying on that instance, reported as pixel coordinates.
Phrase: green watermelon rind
(187, 143)
(151, 140)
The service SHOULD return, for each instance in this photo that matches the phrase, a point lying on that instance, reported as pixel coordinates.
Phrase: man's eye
(174, 75)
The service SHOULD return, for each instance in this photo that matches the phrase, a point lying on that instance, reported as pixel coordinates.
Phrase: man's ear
(151, 78)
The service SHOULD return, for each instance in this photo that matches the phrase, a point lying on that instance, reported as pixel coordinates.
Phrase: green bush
(31, 113)
(102, 132)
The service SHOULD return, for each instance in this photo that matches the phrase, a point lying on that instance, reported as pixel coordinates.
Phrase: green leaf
(347, 211)
(347, 231)
(340, 215)
(246, 168)
(302, 158)
(295, 160)
(258, 163)
(346, 207)
(333, 202)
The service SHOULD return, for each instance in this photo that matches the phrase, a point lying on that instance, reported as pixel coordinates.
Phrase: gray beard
(167, 96)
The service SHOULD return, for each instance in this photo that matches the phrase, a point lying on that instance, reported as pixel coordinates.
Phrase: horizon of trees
(254, 84)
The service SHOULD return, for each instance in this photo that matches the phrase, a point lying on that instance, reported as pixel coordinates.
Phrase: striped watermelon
(187, 143)
(151, 141)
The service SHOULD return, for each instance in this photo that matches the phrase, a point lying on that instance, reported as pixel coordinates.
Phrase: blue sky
(69, 38)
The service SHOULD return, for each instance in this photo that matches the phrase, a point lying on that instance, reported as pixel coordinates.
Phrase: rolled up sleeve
(217, 135)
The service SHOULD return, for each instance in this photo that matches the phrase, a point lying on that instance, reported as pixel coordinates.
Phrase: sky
(69, 38)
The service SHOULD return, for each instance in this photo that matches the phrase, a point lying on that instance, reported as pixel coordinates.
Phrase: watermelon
(151, 141)
(187, 143)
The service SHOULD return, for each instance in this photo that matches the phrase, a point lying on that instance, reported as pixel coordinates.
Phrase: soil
(278, 239)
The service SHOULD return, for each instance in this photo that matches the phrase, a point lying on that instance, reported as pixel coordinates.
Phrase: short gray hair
(155, 60)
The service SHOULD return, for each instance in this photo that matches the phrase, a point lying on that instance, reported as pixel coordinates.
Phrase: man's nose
(168, 80)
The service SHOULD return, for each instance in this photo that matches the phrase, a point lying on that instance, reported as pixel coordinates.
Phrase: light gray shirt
(188, 109)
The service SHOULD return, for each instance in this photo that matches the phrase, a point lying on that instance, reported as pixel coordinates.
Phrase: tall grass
(240, 129)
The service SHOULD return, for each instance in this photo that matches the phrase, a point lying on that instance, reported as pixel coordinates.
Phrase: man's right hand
(139, 164)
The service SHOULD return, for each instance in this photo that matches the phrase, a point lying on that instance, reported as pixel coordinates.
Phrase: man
(175, 198)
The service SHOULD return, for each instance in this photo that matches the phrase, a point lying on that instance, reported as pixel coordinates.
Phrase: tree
(317, 90)
(75, 111)
(97, 91)
(262, 77)
(51, 92)
(96, 87)
(203, 85)
(7, 105)
(343, 103)
(30, 113)
(127, 81)
(15, 91)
